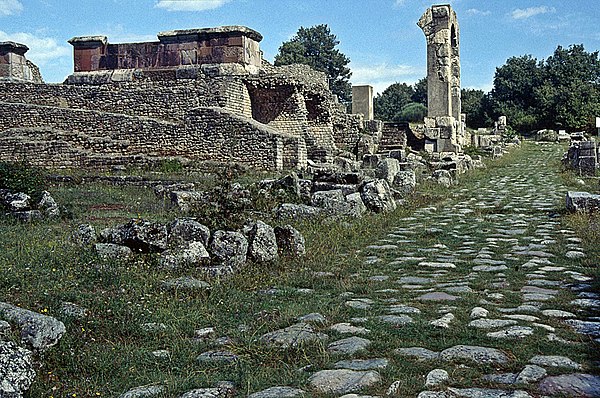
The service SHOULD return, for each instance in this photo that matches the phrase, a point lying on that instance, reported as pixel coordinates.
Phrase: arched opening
(453, 38)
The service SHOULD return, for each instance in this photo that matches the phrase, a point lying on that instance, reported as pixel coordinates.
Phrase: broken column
(14, 66)
(362, 101)
(444, 128)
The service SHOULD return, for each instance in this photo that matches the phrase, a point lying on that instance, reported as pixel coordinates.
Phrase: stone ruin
(193, 95)
(207, 94)
(14, 67)
(444, 124)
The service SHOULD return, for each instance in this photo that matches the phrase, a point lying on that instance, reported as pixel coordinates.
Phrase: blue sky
(379, 36)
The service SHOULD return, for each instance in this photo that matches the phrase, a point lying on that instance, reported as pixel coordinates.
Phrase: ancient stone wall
(57, 137)
(14, 66)
(226, 44)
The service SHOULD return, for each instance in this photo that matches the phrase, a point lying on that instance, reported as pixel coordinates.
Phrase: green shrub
(22, 177)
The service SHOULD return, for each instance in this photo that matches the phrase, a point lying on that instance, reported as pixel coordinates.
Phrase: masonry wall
(55, 137)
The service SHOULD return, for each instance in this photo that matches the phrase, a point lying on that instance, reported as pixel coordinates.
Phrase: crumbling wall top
(207, 33)
(12, 47)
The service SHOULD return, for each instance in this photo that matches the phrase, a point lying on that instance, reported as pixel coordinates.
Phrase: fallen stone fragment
(144, 392)
(293, 336)
(555, 361)
(342, 381)
(531, 374)
(185, 283)
(38, 331)
(188, 230)
(571, 385)
(377, 196)
(279, 392)
(187, 255)
(229, 249)
(475, 354)
(290, 241)
(436, 377)
(73, 310)
(314, 318)
(582, 202)
(349, 346)
(84, 235)
(16, 370)
(262, 243)
(211, 357)
(111, 251)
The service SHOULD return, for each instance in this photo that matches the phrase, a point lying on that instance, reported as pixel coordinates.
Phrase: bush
(22, 177)
(412, 112)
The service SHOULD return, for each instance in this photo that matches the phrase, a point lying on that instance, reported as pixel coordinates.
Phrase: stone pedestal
(362, 101)
(14, 66)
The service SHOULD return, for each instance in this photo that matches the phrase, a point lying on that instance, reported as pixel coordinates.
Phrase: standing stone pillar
(362, 101)
(14, 67)
(440, 26)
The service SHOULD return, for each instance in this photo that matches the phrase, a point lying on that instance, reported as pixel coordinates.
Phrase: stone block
(582, 202)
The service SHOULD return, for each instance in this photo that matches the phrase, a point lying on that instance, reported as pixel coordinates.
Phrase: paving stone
(437, 296)
(531, 374)
(443, 322)
(571, 385)
(403, 309)
(558, 314)
(513, 332)
(350, 345)
(362, 364)
(475, 354)
(420, 353)
(487, 393)
(342, 381)
(314, 318)
(434, 264)
(212, 357)
(501, 378)
(293, 336)
(490, 268)
(279, 392)
(395, 320)
(486, 323)
(590, 328)
(346, 328)
(479, 312)
(555, 361)
(415, 280)
(520, 317)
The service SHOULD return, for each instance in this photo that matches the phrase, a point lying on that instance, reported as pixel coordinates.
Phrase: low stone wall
(55, 137)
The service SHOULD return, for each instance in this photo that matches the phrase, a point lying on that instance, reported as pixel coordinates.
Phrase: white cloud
(190, 5)
(524, 13)
(42, 50)
(399, 3)
(475, 11)
(382, 75)
(10, 7)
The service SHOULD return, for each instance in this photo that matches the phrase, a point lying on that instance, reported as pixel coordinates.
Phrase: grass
(107, 352)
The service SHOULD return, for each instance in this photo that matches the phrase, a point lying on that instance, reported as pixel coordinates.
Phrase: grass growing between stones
(107, 352)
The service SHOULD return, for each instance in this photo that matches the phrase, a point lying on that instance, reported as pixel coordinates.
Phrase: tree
(472, 105)
(513, 94)
(315, 46)
(570, 91)
(412, 112)
(562, 92)
(420, 92)
(388, 105)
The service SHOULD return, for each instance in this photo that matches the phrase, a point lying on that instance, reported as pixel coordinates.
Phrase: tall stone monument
(444, 122)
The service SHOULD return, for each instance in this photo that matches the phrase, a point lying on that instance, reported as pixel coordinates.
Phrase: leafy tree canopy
(316, 46)
(562, 92)
(388, 104)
